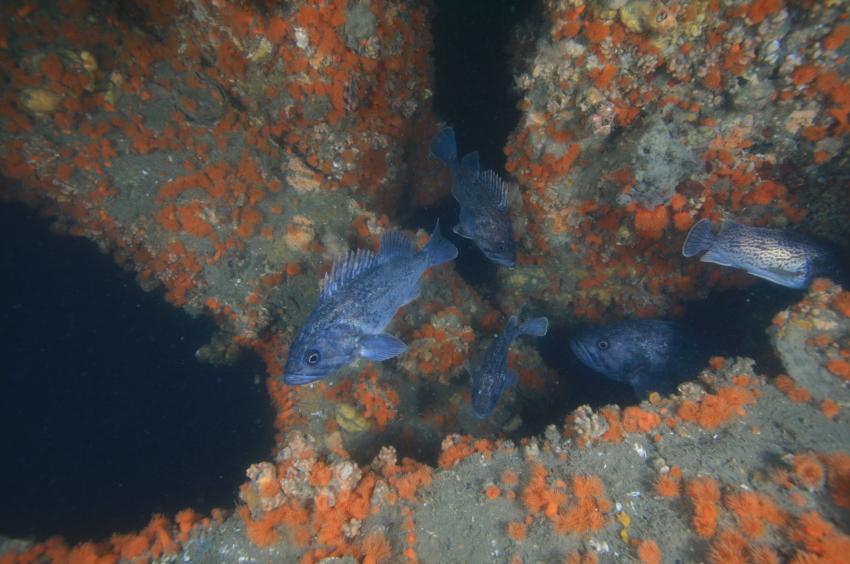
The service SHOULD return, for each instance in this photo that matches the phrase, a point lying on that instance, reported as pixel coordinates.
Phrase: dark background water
(105, 415)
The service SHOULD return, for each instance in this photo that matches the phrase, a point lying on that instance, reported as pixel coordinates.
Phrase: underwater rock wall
(640, 118)
(735, 467)
(225, 151)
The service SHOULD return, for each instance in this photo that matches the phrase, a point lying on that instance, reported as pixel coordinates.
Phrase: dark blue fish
(651, 355)
(358, 299)
(783, 257)
(493, 376)
(483, 199)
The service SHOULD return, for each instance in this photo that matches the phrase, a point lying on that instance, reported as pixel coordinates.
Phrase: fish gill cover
(230, 153)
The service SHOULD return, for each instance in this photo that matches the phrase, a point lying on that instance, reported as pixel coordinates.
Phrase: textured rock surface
(641, 117)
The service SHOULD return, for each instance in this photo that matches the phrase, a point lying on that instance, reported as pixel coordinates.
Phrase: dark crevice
(474, 93)
(473, 88)
(105, 414)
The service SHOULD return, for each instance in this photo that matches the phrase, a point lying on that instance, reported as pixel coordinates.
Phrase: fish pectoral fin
(642, 390)
(459, 230)
(639, 382)
(381, 347)
(781, 277)
(715, 258)
(511, 379)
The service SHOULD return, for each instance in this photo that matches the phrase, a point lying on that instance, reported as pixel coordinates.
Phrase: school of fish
(363, 291)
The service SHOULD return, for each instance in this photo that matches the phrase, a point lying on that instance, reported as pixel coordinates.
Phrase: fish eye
(312, 357)
(500, 246)
(602, 344)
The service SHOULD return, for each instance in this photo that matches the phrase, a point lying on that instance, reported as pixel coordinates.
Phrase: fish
(649, 354)
(493, 376)
(483, 198)
(358, 298)
(782, 257)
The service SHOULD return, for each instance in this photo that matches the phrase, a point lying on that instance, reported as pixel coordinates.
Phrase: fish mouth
(296, 379)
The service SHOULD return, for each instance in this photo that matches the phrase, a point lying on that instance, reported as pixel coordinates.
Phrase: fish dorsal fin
(395, 245)
(344, 271)
(494, 187)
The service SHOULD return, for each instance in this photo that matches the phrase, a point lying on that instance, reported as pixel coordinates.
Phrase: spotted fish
(483, 198)
(493, 376)
(358, 299)
(783, 257)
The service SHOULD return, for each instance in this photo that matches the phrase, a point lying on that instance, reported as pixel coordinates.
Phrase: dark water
(105, 415)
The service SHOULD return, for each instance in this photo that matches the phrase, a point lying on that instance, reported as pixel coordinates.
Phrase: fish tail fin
(444, 146)
(700, 238)
(439, 249)
(535, 327)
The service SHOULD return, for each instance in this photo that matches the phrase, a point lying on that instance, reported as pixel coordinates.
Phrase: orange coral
(636, 419)
(839, 367)
(262, 531)
(376, 548)
(667, 486)
(648, 552)
(683, 220)
(596, 31)
(517, 530)
(614, 433)
(713, 410)
(704, 493)
(789, 387)
(455, 449)
(766, 192)
(838, 465)
(808, 471)
(829, 408)
(588, 513)
(509, 477)
(713, 78)
(651, 223)
(537, 496)
(837, 37)
(728, 548)
(758, 10)
(753, 511)
(412, 477)
(380, 402)
(818, 538)
(841, 302)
